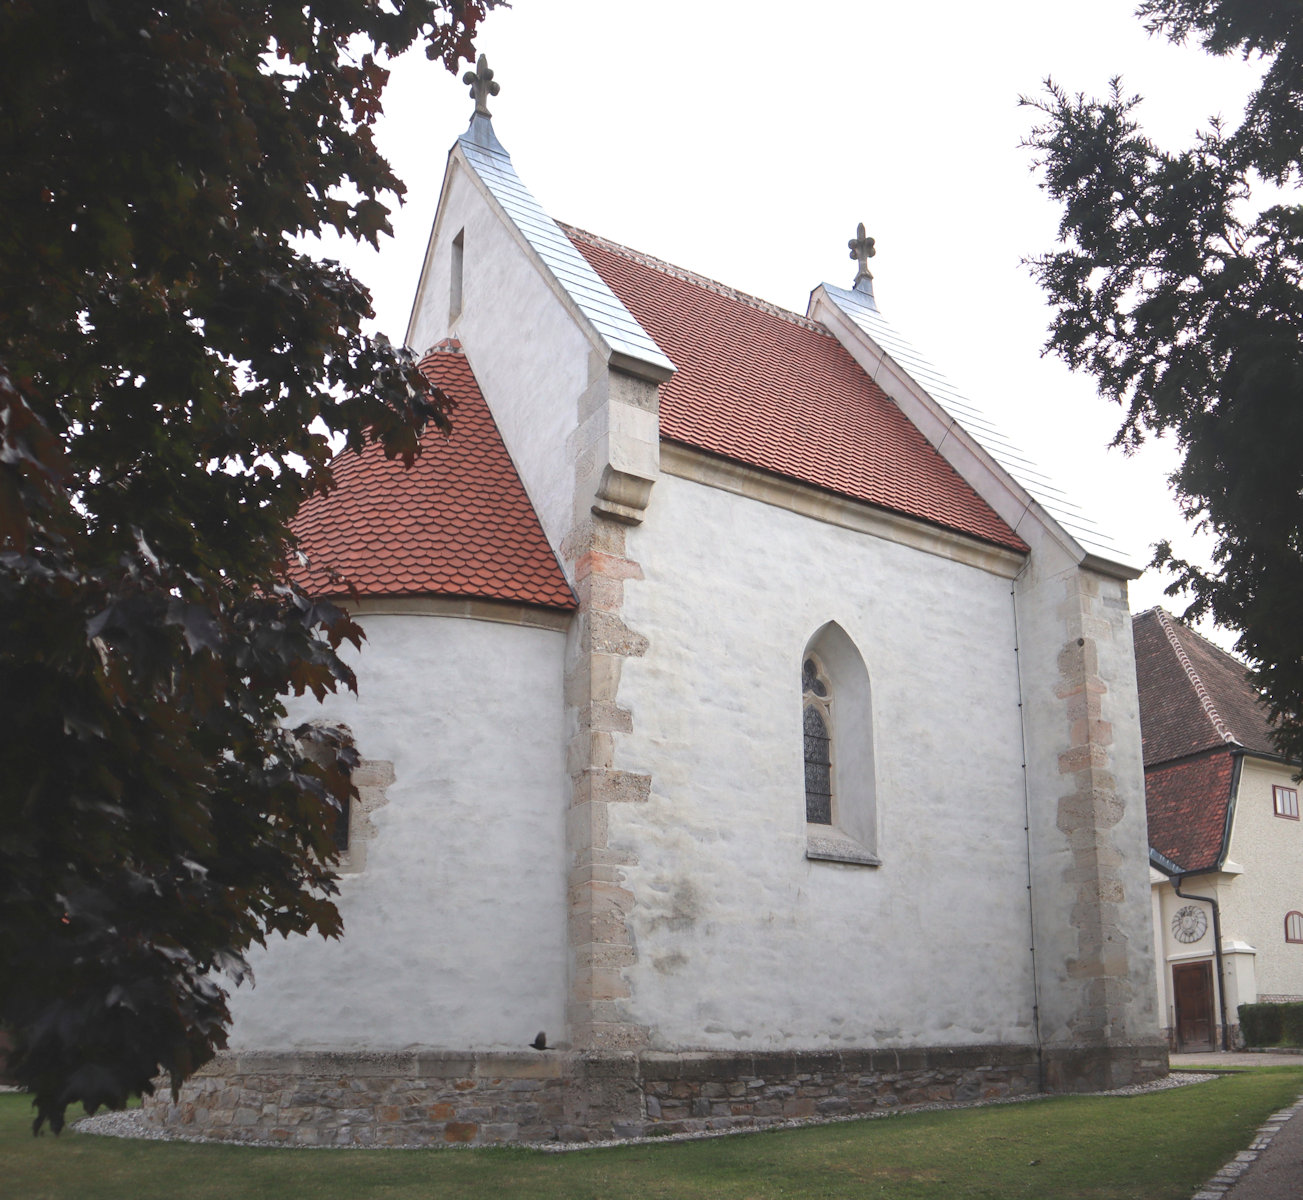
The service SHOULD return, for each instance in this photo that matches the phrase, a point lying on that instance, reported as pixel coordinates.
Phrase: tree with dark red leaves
(173, 369)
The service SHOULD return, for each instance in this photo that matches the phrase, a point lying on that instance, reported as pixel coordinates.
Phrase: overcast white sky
(744, 139)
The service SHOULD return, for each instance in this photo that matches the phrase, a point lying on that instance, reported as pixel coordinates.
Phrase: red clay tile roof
(456, 523)
(1197, 707)
(1193, 695)
(769, 388)
(1187, 802)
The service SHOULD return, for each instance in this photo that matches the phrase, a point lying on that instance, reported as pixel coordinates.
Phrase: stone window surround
(825, 843)
(832, 650)
(372, 777)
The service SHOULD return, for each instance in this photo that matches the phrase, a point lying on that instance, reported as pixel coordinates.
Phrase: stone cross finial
(862, 250)
(482, 86)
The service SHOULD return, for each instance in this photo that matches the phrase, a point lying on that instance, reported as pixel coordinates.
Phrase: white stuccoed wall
(703, 918)
(529, 355)
(455, 930)
(1270, 851)
(1095, 958)
(741, 941)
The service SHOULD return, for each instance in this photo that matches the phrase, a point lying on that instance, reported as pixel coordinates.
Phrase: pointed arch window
(816, 724)
(841, 822)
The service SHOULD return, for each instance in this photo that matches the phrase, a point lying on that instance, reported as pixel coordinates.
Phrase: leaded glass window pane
(810, 681)
(818, 767)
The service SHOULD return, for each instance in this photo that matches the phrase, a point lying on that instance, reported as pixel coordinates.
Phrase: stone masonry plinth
(423, 1098)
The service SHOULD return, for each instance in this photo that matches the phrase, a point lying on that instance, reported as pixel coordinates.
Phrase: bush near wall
(1271, 1024)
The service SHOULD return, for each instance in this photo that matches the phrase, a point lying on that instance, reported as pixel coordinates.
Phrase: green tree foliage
(1182, 294)
(170, 366)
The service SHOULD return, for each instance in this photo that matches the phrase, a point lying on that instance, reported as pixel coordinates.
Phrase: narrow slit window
(341, 829)
(1294, 927)
(817, 729)
(455, 274)
(1285, 800)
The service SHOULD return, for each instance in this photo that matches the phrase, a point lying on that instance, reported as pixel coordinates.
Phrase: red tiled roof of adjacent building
(456, 523)
(1193, 695)
(1198, 709)
(774, 390)
(1187, 803)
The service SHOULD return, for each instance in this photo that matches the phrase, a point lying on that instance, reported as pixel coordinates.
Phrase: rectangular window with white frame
(1285, 800)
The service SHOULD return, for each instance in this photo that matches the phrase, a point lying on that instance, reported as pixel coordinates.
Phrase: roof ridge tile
(692, 277)
(1168, 626)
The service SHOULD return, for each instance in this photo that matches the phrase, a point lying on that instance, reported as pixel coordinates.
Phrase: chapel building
(748, 732)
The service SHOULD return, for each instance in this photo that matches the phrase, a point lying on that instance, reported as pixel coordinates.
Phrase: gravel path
(132, 1123)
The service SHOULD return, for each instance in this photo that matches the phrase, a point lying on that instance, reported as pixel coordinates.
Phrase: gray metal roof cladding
(613, 322)
(862, 310)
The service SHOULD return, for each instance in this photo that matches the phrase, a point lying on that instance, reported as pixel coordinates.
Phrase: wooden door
(1192, 990)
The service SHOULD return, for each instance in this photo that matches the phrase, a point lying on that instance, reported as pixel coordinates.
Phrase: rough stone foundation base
(420, 1098)
(1094, 1069)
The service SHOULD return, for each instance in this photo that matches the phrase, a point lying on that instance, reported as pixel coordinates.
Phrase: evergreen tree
(1182, 295)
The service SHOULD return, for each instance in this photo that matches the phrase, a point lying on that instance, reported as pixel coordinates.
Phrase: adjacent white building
(1227, 843)
(738, 711)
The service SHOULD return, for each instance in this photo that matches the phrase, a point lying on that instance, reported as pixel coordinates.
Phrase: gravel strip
(132, 1124)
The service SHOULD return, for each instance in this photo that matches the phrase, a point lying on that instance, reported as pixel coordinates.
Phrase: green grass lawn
(1152, 1147)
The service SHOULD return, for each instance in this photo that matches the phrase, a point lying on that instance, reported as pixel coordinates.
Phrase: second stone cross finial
(861, 248)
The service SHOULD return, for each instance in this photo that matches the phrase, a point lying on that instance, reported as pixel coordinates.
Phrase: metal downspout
(1177, 880)
(1027, 833)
